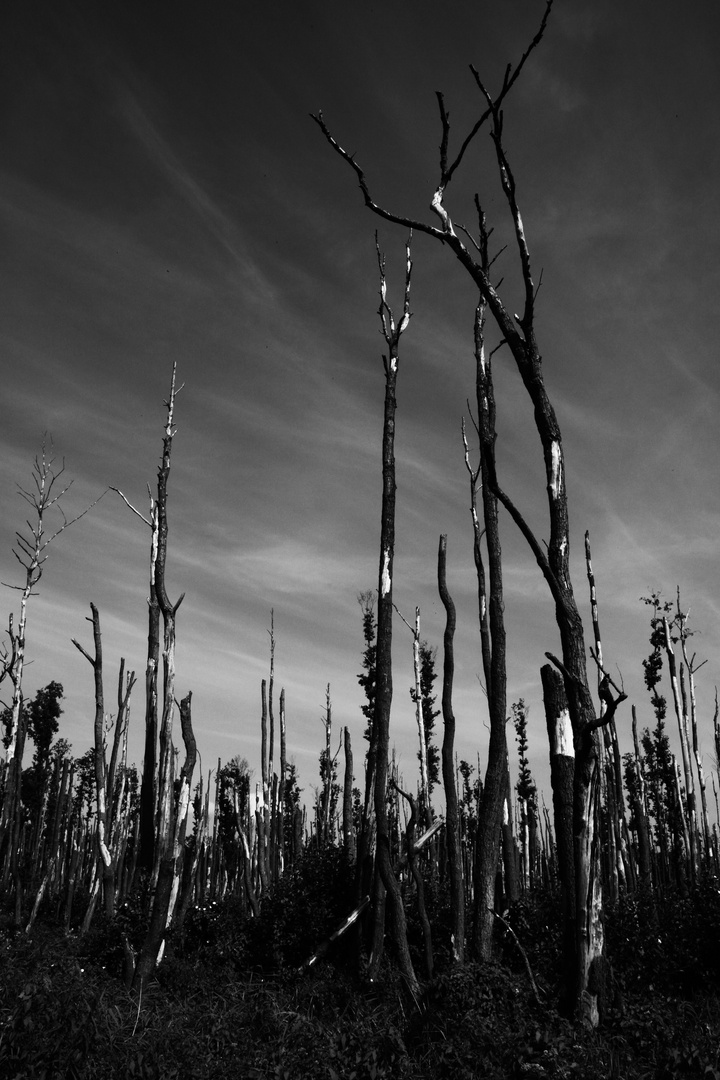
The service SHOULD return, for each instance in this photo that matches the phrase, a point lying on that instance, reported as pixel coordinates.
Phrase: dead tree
(280, 810)
(689, 714)
(156, 785)
(496, 788)
(269, 792)
(620, 871)
(417, 699)
(106, 827)
(562, 777)
(517, 332)
(31, 551)
(452, 814)
(170, 870)
(411, 853)
(385, 884)
(347, 817)
(168, 610)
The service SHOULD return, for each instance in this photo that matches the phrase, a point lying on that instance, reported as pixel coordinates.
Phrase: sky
(166, 198)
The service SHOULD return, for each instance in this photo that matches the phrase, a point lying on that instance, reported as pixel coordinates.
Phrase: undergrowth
(229, 999)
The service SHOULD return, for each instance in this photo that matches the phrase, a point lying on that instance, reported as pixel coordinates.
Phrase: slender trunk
(281, 786)
(640, 815)
(164, 810)
(327, 794)
(493, 640)
(691, 669)
(425, 810)
(689, 820)
(148, 787)
(509, 848)
(265, 778)
(107, 863)
(348, 830)
(183, 799)
(269, 808)
(385, 886)
(416, 875)
(452, 818)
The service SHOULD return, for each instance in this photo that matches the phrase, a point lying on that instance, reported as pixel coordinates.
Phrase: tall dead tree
(385, 884)
(496, 788)
(156, 784)
(518, 334)
(686, 712)
(452, 812)
(347, 816)
(148, 784)
(168, 610)
(618, 855)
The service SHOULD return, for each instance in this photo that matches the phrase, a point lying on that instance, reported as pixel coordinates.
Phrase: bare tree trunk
(183, 796)
(641, 817)
(452, 818)
(105, 858)
(281, 787)
(691, 669)
(416, 875)
(348, 830)
(269, 808)
(509, 847)
(385, 883)
(324, 838)
(164, 809)
(690, 828)
(425, 809)
(148, 787)
(492, 636)
(562, 772)
(617, 826)
(263, 798)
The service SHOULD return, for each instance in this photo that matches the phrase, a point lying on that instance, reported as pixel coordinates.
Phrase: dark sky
(164, 196)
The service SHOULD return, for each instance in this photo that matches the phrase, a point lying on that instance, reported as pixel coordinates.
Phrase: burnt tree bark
(386, 890)
(496, 786)
(347, 819)
(156, 781)
(517, 332)
(168, 610)
(562, 775)
(452, 813)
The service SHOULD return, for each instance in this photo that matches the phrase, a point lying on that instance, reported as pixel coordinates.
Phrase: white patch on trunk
(386, 573)
(506, 813)
(564, 745)
(556, 475)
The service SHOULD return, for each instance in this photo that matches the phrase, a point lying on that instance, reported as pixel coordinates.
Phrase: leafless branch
(618, 689)
(514, 936)
(396, 219)
(130, 505)
(508, 81)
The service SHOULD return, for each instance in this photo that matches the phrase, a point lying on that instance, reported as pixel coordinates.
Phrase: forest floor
(231, 1002)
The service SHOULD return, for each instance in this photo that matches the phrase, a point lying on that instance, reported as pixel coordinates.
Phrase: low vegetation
(234, 996)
